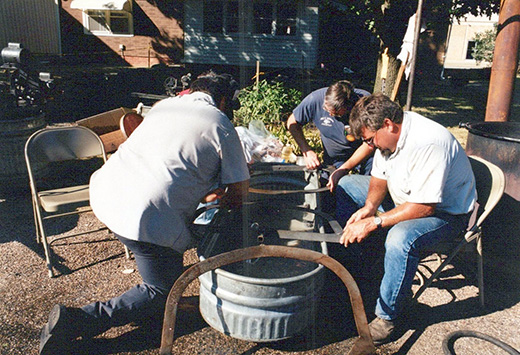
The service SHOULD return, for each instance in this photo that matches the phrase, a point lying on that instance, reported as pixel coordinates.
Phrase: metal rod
(362, 345)
(408, 106)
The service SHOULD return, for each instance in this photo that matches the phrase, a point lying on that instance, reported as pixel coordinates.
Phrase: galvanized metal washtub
(260, 309)
(267, 299)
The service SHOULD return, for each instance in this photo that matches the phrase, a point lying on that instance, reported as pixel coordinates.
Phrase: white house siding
(33, 23)
(461, 32)
(299, 51)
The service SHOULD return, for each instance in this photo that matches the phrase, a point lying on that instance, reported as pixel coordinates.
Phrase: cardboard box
(106, 125)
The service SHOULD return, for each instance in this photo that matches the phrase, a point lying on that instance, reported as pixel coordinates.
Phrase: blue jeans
(403, 245)
(159, 267)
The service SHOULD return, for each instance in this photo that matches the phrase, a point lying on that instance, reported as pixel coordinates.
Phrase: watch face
(378, 221)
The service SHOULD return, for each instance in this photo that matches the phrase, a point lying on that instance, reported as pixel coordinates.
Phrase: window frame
(107, 14)
(250, 20)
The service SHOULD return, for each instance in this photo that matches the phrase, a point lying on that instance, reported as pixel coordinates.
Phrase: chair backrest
(490, 181)
(63, 143)
(58, 144)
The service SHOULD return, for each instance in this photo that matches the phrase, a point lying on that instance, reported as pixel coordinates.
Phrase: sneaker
(383, 331)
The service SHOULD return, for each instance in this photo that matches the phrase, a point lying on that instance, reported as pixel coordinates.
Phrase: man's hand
(335, 177)
(312, 161)
(358, 227)
(213, 195)
(356, 232)
(235, 195)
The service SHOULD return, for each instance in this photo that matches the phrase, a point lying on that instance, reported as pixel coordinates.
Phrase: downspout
(505, 62)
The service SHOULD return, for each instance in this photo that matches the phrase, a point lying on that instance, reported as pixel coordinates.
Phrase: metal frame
(490, 181)
(363, 345)
(55, 144)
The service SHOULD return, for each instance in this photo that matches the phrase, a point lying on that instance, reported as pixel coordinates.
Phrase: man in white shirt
(147, 194)
(429, 179)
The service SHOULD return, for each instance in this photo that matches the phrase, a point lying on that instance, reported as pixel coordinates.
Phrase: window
(108, 22)
(469, 51)
(286, 18)
(220, 16)
(262, 17)
(269, 17)
(232, 17)
(213, 16)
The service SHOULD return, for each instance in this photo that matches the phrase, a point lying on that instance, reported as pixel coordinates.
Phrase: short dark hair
(339, 95)
(371, 111)
(218, 86)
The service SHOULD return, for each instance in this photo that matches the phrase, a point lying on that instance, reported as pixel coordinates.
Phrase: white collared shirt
(428, 166)
(149, 189)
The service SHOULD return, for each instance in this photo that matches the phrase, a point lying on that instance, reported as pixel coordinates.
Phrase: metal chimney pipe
(505, 62)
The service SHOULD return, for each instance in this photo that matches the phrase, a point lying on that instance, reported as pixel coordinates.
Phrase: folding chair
(56, 194)
(490, 183)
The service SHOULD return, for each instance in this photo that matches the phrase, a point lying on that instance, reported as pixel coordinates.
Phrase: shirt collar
(199, 96)
(405, 129)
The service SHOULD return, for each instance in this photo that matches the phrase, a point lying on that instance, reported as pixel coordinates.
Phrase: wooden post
(149, 54)
(257, 73)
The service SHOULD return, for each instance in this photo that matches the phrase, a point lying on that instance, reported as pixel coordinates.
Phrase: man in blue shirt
(328, 109)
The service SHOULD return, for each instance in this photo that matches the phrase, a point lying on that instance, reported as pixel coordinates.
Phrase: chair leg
(437, 272)
(480, 271)
(43, 239)
(36, 225)
(46, 249)
(127, 252)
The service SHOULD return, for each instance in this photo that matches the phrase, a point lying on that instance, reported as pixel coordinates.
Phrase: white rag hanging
(405, 56)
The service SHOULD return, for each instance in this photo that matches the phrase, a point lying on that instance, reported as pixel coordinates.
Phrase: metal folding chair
(56, 193)
(490, 181)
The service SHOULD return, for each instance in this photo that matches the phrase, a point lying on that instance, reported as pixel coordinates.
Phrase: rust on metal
(362, 345)
(505, 62)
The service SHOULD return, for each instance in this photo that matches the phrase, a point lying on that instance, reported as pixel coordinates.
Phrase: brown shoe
(383, 331)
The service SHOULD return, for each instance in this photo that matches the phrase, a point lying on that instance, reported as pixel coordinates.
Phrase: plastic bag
(258, 144)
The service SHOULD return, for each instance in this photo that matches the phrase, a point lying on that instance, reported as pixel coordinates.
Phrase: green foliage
(484, 45)
(272, 103)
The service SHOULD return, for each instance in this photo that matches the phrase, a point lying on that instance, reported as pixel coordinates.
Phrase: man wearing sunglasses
(421, 191)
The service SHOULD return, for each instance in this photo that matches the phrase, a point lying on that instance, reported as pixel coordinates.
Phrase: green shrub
(484, 45)
(272, 103)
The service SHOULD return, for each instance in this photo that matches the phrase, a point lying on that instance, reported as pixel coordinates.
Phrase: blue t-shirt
(337, 149)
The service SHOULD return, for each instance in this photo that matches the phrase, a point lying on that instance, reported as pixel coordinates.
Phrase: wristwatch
(378, 221)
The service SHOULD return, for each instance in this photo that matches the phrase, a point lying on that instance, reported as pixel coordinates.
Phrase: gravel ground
(94, 267)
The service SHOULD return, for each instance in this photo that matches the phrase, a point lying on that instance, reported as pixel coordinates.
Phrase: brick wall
(158, 37)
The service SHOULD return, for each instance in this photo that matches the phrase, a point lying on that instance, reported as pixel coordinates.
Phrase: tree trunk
(387, 86)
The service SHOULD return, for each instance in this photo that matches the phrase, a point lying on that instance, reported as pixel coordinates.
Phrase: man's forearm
(407, 211)
(377, 191)
(359, 155)
(296, 131)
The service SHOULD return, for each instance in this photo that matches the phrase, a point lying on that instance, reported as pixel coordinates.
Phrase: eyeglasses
(370, 141)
